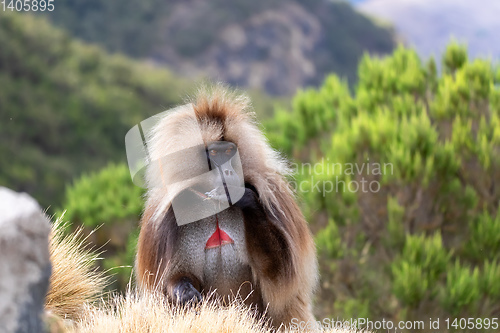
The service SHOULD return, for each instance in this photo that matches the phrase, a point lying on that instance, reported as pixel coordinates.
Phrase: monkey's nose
(228, 172)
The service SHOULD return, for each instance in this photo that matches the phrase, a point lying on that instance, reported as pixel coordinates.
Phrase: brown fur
(284, 269)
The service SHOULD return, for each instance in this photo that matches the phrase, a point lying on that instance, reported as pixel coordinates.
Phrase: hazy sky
(429, 24)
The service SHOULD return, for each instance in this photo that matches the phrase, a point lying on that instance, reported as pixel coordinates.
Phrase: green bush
(411, 283)
(107, 196)
(462, 288)
(352, 308)
(454, 57)
(328, 239)
(109, 202)
(484, 239)
(419, 268)
(428, 253)
(490, 278)
(437, 204)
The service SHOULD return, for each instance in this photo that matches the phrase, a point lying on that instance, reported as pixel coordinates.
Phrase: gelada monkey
(220, 215)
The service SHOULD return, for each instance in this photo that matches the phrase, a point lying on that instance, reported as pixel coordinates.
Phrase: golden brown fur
(286, 287)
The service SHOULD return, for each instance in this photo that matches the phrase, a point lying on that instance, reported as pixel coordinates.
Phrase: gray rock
(24, 263)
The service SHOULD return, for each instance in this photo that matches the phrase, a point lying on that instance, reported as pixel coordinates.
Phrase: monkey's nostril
(228, 172)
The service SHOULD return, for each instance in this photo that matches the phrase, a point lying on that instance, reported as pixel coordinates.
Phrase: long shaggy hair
(217, 114)
(213, 114)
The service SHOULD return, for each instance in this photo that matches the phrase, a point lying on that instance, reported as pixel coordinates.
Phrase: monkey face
(198, 178)
(212, 191)
(201, 180)
(221, 154)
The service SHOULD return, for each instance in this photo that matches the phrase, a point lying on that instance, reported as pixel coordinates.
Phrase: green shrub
(419, 268)
(314, 113)
(411, 283)
(454, 57)
(484, 239)
(109, 202)
(490, 280)
(328, 239)
(462, 288)
(438, 199)
(351, 309)
(428, 253)
(107, 196)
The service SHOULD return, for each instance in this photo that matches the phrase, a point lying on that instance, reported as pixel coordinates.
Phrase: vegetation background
(426, 245)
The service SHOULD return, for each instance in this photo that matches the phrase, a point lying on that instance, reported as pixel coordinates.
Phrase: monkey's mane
(218, 113)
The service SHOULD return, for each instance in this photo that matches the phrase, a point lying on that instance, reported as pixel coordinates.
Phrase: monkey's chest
(226, 266)
(214, 250)
(226, 271)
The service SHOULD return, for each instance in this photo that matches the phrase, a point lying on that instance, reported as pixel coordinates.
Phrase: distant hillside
(277, 45)
(428, 25)
(65, 107)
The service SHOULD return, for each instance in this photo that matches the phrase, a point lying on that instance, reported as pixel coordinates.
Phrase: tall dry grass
(147, 312)
(75, 281)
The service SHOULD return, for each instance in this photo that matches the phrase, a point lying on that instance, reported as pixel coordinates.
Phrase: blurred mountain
(428, 25)
(276, 45)
(65, 107)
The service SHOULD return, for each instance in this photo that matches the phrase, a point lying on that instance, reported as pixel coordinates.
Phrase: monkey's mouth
(218, 238)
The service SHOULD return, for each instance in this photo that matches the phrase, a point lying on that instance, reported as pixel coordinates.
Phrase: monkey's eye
(213, 152)
(228, 151)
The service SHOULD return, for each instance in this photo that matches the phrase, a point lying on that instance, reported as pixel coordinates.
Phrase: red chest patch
(218, 238)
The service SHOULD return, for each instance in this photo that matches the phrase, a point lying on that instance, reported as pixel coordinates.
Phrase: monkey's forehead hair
(219, 104)
(215, 114)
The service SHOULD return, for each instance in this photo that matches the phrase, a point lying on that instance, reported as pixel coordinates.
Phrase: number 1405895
(27, 5)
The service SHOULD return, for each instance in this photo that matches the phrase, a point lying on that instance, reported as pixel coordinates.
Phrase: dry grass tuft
(75, 280)
(148, 312)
